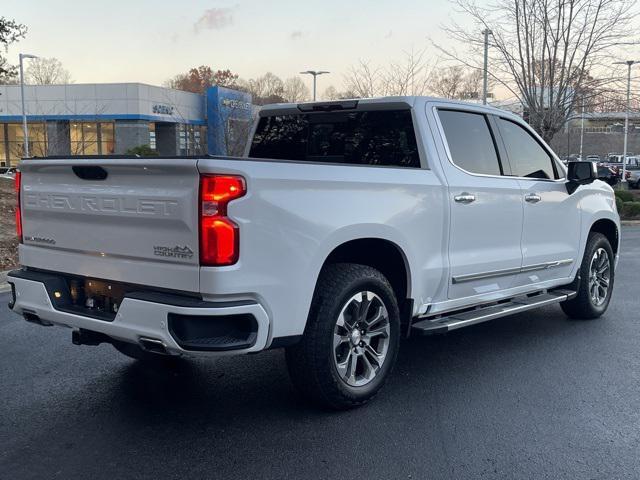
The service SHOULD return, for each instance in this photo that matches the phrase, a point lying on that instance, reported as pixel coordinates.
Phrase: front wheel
(351, 340)
(595, 284)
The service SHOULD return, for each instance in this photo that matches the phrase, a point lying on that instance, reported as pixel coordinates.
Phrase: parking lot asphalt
(530, 396)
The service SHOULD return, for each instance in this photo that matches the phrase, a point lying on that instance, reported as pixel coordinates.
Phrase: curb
(4, 286)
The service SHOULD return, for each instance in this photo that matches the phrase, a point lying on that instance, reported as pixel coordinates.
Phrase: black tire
(134, 351)
(312, 362)
(583, 306)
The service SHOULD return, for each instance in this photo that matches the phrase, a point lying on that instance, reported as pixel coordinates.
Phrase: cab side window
(527, 157)
(470, 141)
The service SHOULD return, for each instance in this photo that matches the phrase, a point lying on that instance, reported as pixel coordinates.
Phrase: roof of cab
(382, 103)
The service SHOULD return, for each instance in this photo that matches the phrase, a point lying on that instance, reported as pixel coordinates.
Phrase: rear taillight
(219, 235)
(18, 181)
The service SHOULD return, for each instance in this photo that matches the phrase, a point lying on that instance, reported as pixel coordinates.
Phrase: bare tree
(46, 71)
(268, 88)
(612, 101)
(236, 124)
(411, 76)
(294, 90)
(457, 82)
(332, 93)
(408, 76)
(543, 50)
(449, 82)
(472, 84)
(363, 80)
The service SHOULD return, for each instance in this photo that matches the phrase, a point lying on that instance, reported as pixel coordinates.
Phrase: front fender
(597, 203)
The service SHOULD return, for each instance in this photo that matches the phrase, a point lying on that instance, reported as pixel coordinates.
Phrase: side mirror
(580, 173)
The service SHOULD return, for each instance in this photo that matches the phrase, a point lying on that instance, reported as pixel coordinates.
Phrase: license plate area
(97, 298)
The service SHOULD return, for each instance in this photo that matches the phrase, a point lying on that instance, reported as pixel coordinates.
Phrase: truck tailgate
(137, 225)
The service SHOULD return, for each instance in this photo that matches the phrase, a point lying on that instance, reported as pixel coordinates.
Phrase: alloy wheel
(361, 339)
(599, 277)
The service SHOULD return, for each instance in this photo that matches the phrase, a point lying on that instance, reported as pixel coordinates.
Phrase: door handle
(465, 198)
(532, 198)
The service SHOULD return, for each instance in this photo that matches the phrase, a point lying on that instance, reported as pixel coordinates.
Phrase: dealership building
(111, 118)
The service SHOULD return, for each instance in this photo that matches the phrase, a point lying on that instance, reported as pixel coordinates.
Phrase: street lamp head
(314, 72)
(626, 62)
(27, 55)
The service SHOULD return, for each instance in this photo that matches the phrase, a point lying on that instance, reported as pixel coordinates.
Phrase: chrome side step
(453, 321)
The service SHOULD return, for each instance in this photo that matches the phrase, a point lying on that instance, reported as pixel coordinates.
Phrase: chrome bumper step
(454, 320)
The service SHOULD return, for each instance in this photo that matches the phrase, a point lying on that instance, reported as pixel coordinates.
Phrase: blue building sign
(229, 118)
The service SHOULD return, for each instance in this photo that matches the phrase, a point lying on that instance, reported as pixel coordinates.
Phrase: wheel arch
(609, 229)
(379, 253)
(385, 256)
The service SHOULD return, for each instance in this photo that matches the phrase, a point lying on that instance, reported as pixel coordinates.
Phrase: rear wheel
(595, 284)
(351, 340)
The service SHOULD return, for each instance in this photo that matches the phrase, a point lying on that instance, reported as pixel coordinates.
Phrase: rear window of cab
(381, 137)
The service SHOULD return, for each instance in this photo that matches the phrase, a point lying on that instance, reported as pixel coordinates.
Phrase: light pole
(315, 74)
(581, 129)
(485, 81)
(628, 63)
(25, 131)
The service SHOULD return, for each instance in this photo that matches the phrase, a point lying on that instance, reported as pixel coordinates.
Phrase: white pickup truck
(345, 227)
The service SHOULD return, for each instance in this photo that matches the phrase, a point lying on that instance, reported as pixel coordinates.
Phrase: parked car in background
(615, 163)
(608, 175)
(633, 161)
(633, 177)
(593, 158)
(7, 173)
(618, 170)
(613, 158)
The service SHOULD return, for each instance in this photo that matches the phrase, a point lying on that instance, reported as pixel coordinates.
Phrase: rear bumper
(139, 316)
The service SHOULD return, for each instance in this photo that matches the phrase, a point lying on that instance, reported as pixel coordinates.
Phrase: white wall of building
(104, 100)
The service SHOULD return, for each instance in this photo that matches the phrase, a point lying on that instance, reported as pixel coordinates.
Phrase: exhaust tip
(153, 345)
(87, 337)
(32, 317)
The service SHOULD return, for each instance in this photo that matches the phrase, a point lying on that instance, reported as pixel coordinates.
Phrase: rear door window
(527, 157)
(384, 137)
(470, 141)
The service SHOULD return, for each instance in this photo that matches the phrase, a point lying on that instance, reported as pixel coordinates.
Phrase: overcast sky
(151, 40)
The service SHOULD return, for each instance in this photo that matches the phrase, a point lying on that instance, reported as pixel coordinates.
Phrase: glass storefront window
(192, 139)
(77, 147)
(12, 141)
(16, 142)
(86, 138)
(107, 139)
(89, 138)
(37, 139)
(236, 136)
(183, 140)
(3, 149)
(152, 136)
